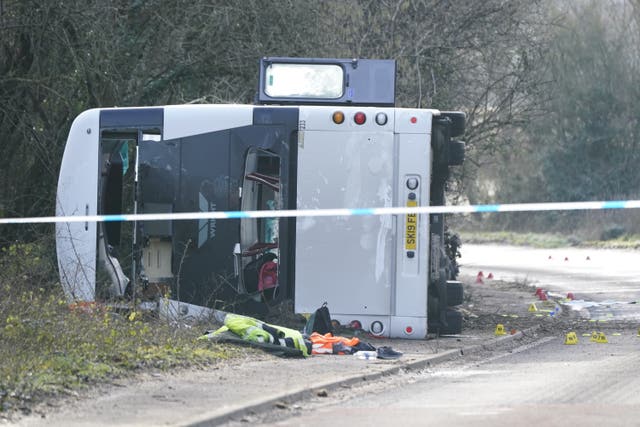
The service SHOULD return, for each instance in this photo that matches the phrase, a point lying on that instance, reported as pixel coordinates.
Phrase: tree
(56, 62)
(60, 58)
(593, 126)
(583, 145)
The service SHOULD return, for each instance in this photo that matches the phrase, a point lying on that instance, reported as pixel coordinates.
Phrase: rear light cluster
(359, 118)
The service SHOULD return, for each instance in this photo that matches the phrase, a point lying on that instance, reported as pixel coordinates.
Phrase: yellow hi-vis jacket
(253, 330)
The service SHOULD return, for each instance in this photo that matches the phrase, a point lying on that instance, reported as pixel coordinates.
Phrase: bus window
(259, 236)
(324, 81)
(117, 183)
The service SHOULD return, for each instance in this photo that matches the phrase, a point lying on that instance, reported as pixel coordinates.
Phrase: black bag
(252, 271)
(320, 322)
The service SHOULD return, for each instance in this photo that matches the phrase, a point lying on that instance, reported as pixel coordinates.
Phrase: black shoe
(388, 353)
(364, 346)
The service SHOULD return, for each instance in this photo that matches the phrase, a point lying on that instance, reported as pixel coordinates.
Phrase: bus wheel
(455, 293)
(454, 323)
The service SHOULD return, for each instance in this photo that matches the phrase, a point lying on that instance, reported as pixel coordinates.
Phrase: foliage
(49, 346)
(594, 122)
(549, 240)
(56, 62)
(482, 57)
(549, 88)
(536, 240)
(583, 145)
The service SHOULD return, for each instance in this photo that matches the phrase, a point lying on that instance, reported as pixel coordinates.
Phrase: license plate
(411, 228)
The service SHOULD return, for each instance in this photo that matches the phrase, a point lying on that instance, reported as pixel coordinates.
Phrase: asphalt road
(605, 283)
(550, 384)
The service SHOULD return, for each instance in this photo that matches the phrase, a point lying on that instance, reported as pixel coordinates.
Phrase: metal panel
(346, 261)
(319, 118)
(78, 195)
(188, 120)
(409, 120)
(413, 267)
(211, 170)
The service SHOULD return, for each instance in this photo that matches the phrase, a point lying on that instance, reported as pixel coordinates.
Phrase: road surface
(605, 283)
(546, 383)
(550, 384)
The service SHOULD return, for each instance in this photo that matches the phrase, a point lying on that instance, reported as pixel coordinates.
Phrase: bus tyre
(454, 323)
(455, 293)
(456, 152)
(458, 121)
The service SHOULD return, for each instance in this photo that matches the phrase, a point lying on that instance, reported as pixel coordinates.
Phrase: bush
(49, 346)
(612, 231)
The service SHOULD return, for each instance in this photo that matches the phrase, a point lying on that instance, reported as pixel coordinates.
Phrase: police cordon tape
(514, 207)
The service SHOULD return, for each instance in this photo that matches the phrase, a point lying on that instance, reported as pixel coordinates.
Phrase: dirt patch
(517, 307)
(492, 302)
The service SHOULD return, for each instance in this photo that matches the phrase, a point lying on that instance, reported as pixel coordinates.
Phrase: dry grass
(49, 347)
(548, 240)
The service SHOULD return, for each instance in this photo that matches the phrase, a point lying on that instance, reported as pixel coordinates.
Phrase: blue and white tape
(514, 207)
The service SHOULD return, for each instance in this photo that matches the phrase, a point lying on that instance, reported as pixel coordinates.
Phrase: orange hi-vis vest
(328, 344)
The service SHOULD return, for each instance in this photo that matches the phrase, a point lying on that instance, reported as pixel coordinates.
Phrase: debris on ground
(317, 337)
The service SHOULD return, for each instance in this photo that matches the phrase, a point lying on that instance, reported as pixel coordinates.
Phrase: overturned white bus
(324, 133)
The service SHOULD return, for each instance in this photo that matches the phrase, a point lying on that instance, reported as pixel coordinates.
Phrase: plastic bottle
(366, 355)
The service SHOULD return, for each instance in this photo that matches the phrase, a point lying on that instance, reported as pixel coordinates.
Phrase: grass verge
(49, 348)
(547, 240)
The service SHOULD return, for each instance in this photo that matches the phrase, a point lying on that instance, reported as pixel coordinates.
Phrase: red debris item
(87, 308)
(490, 276)
(268, 276)
(566, 258)
(570, 296)
(543, 296)
(538, 291)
